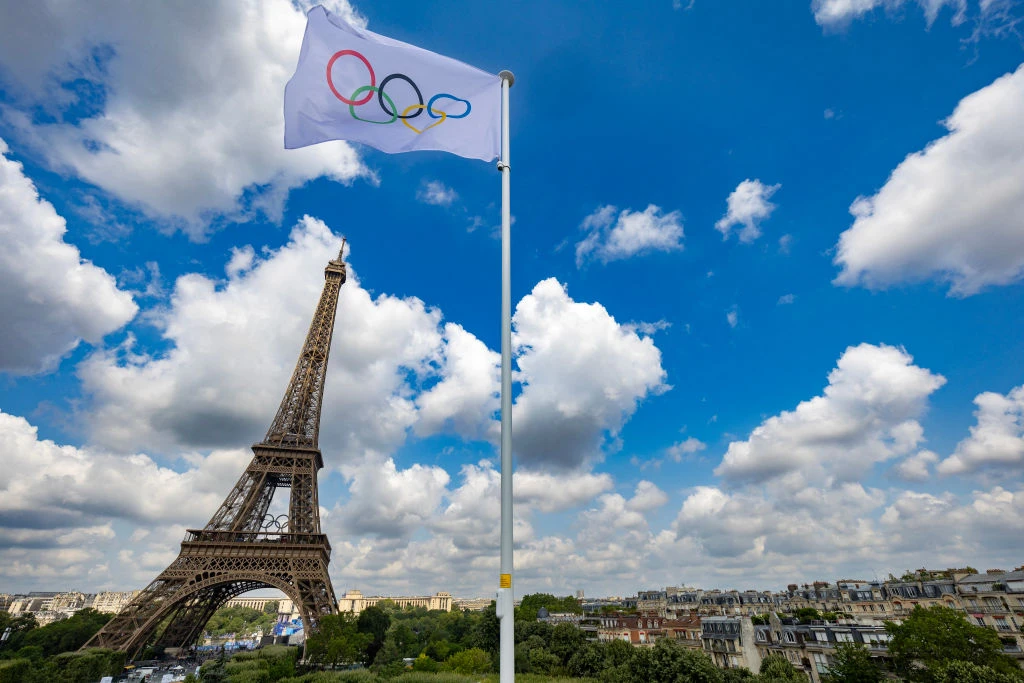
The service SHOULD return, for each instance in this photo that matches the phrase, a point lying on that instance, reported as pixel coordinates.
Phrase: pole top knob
(507, 75)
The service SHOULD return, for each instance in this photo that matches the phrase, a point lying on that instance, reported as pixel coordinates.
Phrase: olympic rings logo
(385, 102)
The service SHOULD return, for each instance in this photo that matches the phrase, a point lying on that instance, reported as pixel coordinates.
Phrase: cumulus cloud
(58, 504)
(184, 126)
(583, 375)
(203, 393)
(53, 298)
(685, 449)
(613, 235)
(953, 211)
(437, 193)
(997, 439)
(915, 467)
(467, 395)
(748, 206)
(867, 414)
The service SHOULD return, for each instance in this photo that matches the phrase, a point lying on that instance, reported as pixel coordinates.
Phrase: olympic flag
(352, 84)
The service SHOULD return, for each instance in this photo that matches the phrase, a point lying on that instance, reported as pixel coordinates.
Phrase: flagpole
(504, 603)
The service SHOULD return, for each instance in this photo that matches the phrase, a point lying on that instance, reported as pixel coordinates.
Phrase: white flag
(355, 85)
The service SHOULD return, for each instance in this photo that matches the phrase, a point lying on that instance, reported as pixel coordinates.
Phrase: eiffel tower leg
(188, 620)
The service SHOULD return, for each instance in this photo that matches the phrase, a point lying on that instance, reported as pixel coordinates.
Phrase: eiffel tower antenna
(243, 548)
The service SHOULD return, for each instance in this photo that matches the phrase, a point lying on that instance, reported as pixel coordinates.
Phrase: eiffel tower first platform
(242, 547)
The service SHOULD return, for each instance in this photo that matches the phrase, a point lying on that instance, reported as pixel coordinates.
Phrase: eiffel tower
(242, 547)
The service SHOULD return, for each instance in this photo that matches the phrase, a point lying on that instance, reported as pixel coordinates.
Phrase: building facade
(355, 602)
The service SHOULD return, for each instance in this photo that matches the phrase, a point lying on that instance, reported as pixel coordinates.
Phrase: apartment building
(731, 642)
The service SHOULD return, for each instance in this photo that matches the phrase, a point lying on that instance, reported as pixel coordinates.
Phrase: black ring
(380, 96)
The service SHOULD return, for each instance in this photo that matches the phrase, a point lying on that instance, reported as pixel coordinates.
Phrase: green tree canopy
(930, 638)
(851, 663)
(777, 669)
(374, 622)
(337, 640)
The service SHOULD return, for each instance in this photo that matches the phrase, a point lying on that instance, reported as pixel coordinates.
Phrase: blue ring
(430, 106)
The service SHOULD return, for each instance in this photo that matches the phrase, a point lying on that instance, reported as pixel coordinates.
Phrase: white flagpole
(504, 603)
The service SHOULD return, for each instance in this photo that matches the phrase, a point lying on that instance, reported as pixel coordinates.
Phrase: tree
(337, 640)
(586, 662)
(487, 634)
(851, 663)
(374, 622)
(968, 672)
(67, 635)
(777, 669)
(19, 626)
(930, 638)
(472, 661)
(565, 640)
(271, 607)
(740, 675)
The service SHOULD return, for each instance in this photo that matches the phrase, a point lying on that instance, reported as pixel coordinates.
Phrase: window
(789, 637)
(761, 637)
(821, 636)
(821, 662)
(844, 637)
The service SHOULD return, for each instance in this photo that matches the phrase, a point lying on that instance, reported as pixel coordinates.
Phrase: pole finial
(341, 252)
(507, 75)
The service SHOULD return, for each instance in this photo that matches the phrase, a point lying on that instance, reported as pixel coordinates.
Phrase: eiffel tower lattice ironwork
(242, 547)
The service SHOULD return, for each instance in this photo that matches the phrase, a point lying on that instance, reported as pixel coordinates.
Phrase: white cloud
(785, 243)
(748, 206)
(684, 449)
(202, 392)
(58, 504)
(732, 316)
(555, 492)
(190, 117)
(437, 193)
(467, 395)
(390, 502)
(915, 467)
(834, 14)
(613, 235)
(867, 414)
(582, 373)
(53, 299)
(786, 299)
(996, 441)
(953, 211)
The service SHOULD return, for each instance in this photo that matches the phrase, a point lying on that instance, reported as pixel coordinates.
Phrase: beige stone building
(112, 602)
(355, 602)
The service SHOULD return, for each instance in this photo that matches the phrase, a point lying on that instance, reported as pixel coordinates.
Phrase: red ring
(373, 78)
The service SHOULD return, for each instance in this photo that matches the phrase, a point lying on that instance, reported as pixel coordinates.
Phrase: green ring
(372, 89)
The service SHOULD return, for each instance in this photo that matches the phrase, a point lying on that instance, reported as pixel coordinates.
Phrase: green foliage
(471, 661)
(666, 661)
(968, 672)
(240, 620)
(272, 607)
(807, 614)
(738, 676)
(68, 634)
(933, 637)
(20, 625)
(486, 633)
(759, 619)
(374, 622)
(337, 640)
(14, 670)
(777, 669)
(851, 663)
(529, 605)
(587, 661)
(425, 663)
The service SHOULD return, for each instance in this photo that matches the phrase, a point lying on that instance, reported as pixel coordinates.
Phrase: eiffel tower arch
(243, 547)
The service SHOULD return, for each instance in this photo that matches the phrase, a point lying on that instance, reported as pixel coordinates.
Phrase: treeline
(47, 654)
(241, 620)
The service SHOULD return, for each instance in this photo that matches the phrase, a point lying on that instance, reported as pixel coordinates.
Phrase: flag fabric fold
(352, 84)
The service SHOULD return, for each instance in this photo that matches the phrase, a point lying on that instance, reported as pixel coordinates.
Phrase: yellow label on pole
(505, 581)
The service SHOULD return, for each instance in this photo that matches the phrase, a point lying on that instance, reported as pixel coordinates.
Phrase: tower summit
(244, 548)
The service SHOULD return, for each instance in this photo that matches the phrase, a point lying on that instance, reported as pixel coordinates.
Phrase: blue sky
(766, 270)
